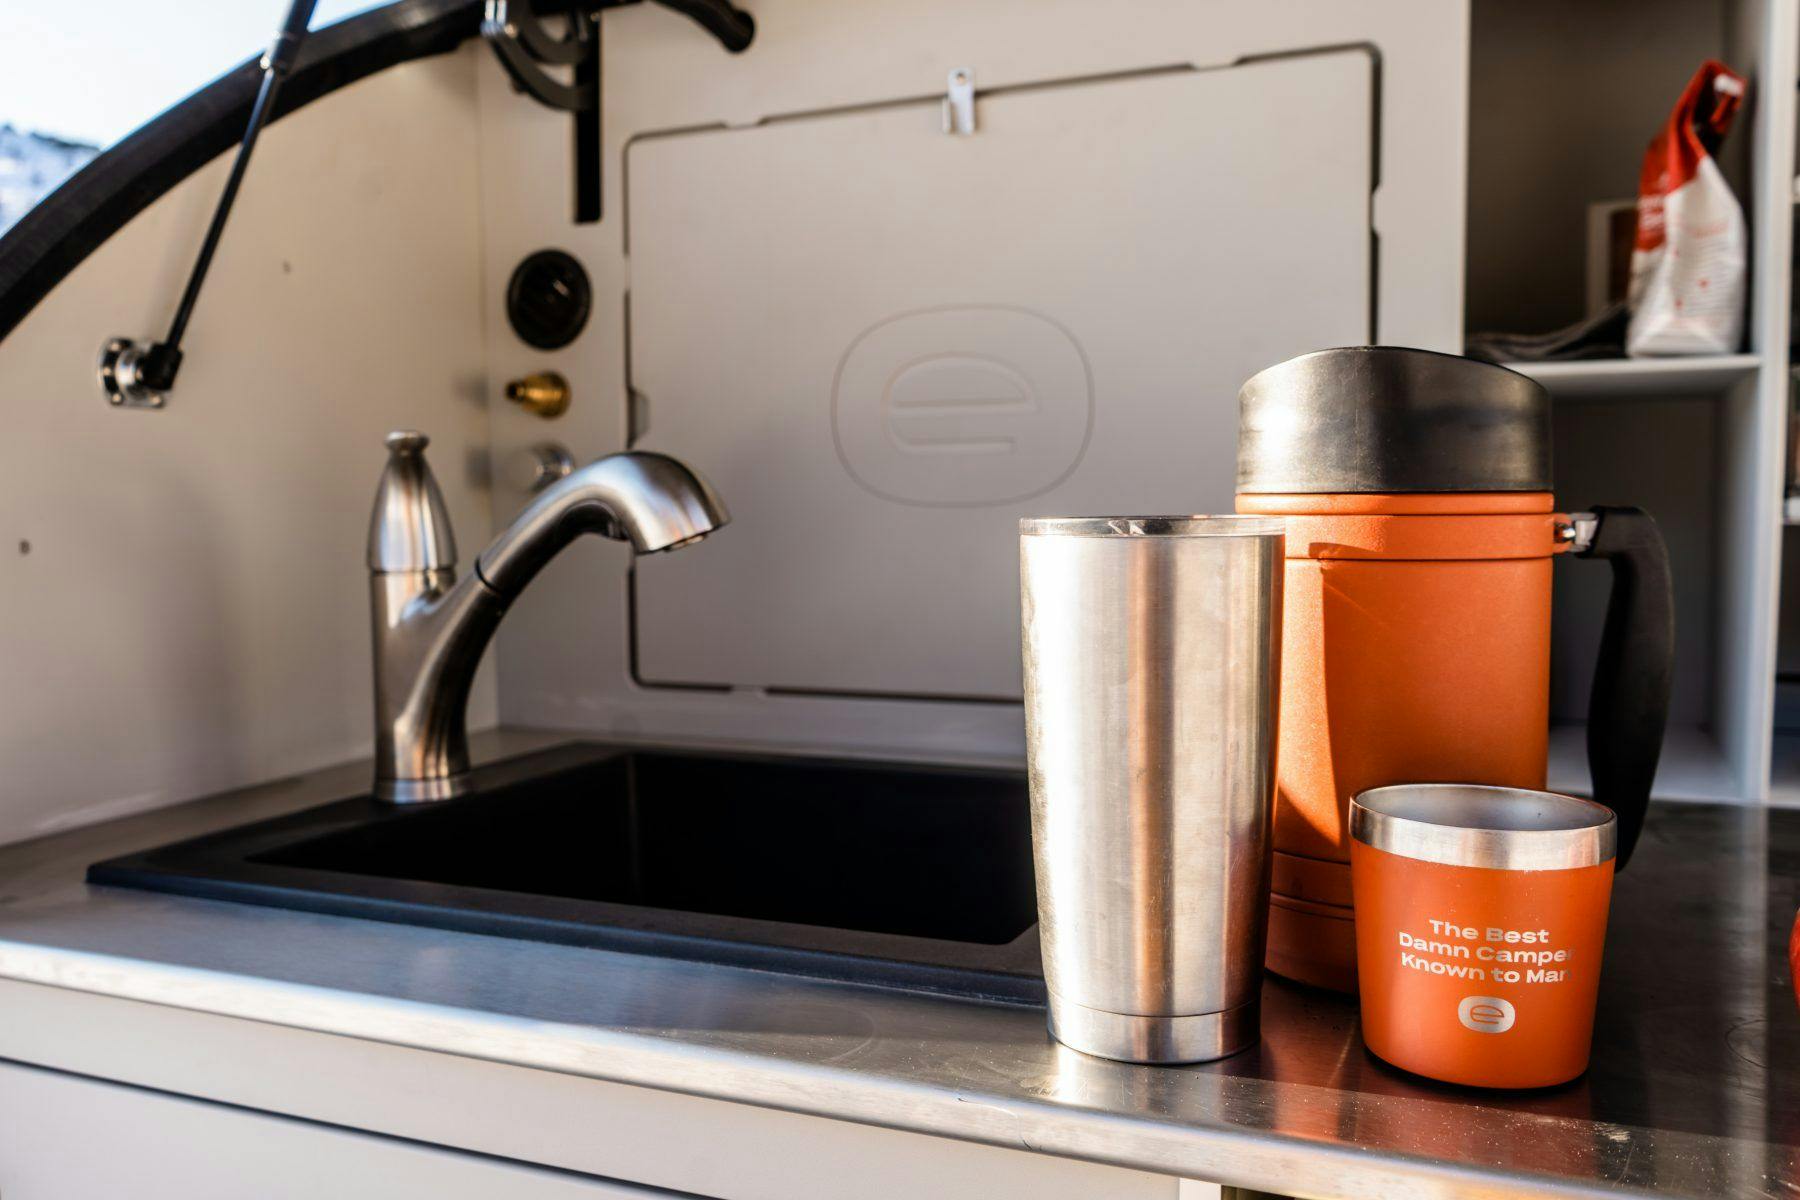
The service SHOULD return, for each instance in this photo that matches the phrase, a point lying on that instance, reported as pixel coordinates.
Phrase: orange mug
(1480, 920)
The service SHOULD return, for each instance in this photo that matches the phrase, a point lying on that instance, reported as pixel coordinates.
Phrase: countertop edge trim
(1269, 1162)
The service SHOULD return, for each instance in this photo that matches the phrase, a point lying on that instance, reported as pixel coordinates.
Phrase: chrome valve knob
(535, 468)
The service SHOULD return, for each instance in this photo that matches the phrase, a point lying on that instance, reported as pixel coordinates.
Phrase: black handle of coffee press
(1628, 710)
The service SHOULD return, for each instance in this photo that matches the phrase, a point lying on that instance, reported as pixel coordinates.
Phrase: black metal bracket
(525, 48)
(141, 377)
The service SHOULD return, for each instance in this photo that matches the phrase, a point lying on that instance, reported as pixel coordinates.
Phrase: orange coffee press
(1421, 532)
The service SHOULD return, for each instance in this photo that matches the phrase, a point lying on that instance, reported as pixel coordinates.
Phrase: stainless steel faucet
(430, 629)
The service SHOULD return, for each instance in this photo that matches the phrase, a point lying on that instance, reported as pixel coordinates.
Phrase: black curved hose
(732, 26)
(54, 238)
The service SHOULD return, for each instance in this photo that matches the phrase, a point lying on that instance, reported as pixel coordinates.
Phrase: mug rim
(1198, 525)
(1483, 825)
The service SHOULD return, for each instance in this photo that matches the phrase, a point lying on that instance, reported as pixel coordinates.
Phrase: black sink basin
(881, 873)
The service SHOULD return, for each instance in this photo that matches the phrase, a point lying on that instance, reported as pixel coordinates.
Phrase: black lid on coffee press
(1392, 419)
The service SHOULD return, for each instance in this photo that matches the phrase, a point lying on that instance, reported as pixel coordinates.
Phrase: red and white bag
(1687, 265)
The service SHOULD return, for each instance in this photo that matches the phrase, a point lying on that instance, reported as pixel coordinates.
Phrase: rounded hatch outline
(837, 379)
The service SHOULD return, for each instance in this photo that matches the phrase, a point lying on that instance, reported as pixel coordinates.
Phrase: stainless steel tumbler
(1152, 663)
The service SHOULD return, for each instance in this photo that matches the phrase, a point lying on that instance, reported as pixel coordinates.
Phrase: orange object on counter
(1421, 536)
(1481, 918)
(1415, 646)
(1794, 957)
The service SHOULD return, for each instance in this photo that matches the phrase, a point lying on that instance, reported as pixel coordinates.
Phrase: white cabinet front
(63, 1137)
(885, 343)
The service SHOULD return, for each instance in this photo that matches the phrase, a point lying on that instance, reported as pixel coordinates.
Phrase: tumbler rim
(1480, 825)
(1222, 525)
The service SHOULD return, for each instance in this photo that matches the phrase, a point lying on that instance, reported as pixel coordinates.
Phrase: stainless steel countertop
(1694, 1089)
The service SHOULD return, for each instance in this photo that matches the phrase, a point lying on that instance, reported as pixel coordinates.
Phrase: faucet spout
(650, 500)
(430, 629)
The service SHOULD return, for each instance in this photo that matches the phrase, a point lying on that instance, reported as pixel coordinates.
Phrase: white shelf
(1640, 376)
(1692, 767)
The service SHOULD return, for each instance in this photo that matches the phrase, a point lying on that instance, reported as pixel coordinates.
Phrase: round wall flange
(121, 376)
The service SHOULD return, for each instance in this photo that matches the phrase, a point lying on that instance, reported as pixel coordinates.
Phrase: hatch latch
(959, 102)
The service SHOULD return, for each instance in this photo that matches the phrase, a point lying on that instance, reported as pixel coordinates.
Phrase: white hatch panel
(885, 344)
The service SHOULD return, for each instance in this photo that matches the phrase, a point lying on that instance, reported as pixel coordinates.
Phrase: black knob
(548, 299)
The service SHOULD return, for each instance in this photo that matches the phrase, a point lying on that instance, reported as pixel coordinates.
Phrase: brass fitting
(545, 394)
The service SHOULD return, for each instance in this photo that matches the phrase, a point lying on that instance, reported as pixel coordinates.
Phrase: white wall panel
(884, 346)
(565, 659)
(183, 600)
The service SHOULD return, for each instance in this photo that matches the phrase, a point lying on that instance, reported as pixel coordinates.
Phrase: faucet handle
(410, 527)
